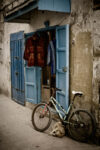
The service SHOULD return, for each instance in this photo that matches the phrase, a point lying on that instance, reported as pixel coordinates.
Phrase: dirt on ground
(17, 132)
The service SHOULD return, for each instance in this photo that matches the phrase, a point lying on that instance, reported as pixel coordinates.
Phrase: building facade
(81, 20)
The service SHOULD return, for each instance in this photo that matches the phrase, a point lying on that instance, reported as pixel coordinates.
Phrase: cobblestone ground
(17, 133)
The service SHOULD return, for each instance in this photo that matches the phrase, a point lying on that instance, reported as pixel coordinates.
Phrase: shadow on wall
(4, 92)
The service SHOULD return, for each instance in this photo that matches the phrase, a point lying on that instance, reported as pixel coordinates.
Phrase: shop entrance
(48, 83)
(51, 68)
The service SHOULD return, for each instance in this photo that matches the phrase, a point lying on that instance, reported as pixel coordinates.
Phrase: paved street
(17, 133)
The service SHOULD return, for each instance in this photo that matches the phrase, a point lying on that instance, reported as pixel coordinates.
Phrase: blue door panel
(61, 62)
(30, 84)
(17, 66)
(31, 93)
(32, 81)
(33, 84)
(62, 65)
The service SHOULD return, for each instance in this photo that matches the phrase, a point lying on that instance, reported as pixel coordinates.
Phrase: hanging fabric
(35, 50)
(30, 50)
(51, 59)
(41, 50)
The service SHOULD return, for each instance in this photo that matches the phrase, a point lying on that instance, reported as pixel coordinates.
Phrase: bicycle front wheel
(41, 117)
(81, 125)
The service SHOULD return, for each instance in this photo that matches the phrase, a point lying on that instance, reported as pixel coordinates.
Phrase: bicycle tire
(47, 117)
(75, 129)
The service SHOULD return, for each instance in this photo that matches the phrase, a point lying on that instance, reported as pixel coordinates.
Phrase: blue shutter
(32, 84)
(62, 5)
(62, 65)
(17, 66)
(54, 5)
(45, 4)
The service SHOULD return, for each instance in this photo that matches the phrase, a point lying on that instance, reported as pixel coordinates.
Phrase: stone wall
(96, 63)
(1, 42)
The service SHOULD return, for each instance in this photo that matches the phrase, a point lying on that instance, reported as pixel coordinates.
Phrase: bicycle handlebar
(57, 89)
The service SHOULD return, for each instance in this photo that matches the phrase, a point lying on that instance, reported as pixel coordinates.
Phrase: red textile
(30, 49)
(35, 50)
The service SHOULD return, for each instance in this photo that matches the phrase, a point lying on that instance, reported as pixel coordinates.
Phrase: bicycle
(80, 123)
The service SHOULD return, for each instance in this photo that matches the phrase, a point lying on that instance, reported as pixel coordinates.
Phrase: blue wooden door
(17, 66)
(62, 65)
(32, 81)
(32, 84)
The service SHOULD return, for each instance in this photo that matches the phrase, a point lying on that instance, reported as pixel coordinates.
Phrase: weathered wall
(1, 45)
(5, 76)
(96, 62)
(82, 50)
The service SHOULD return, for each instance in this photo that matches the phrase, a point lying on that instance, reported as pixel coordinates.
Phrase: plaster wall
(96, 57)
(5, 71)
(96, 64)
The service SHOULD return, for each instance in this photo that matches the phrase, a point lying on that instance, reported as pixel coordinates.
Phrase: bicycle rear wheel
(41, 117)
(81, 125)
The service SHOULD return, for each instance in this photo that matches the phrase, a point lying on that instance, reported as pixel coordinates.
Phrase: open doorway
(41, 75)
(48, 82)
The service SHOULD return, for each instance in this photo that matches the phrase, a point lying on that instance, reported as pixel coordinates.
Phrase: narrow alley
(17, 133)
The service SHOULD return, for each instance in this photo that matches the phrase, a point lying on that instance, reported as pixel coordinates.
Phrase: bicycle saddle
(77, 93)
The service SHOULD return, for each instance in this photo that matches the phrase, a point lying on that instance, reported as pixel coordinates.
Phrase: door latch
(64, 69)
(16, 73)
(17, 89)
(16, 57)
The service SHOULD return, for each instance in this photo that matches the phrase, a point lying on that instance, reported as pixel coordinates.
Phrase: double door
(32, 83)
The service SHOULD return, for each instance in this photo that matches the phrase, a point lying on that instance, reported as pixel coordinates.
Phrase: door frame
(42, 30)
(27, 35)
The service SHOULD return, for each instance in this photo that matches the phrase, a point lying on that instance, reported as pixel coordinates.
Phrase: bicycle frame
(55, 104)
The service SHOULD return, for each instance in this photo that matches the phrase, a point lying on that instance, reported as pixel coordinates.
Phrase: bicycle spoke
(41, 117)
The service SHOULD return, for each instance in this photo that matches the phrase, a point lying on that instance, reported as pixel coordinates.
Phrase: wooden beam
(20, 21)
(21, 12)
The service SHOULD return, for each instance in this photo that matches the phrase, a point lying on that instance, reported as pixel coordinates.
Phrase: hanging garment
(28, 46)
(51, 59)
(41, 52)
(30, 50)
(42, 49)
(35, 50)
